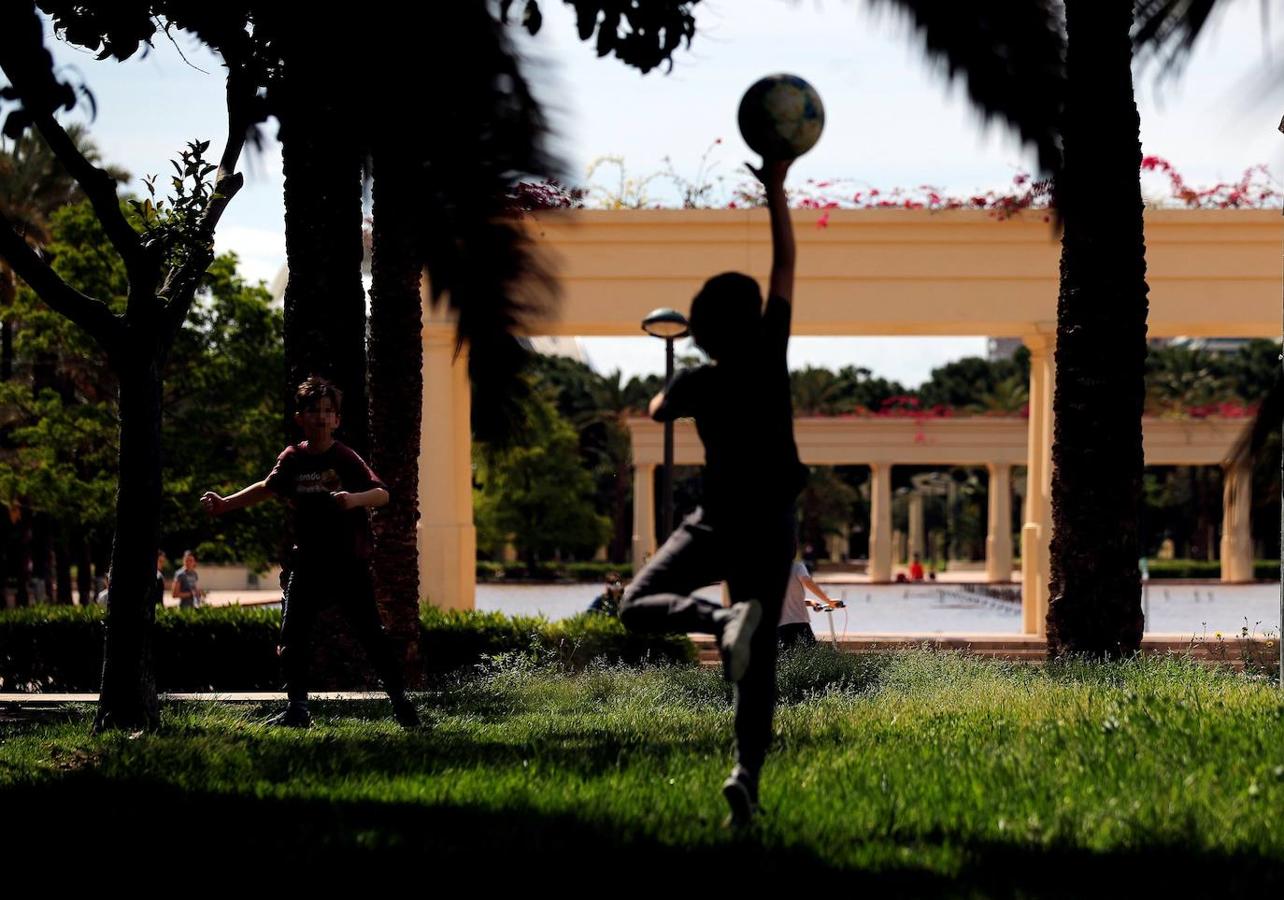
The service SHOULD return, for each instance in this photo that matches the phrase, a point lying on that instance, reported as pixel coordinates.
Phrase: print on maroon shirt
(322, 531)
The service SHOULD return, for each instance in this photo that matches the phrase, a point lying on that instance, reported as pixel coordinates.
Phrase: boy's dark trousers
(314, 586)
(753, 552)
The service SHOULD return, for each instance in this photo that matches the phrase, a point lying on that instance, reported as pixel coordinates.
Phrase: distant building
(998, 348)
(1221, 346)
(570, 347)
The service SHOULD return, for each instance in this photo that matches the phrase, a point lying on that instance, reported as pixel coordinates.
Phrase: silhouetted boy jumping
(329, 487)
(744, 531)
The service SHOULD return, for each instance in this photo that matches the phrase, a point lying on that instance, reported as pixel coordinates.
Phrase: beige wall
(962, 441)
(869, 272)
(905, 272)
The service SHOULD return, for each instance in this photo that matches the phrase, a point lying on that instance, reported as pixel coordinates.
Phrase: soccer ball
(781, 116)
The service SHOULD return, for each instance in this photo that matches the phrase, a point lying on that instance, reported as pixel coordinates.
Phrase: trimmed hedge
(231, 648)
(574, 571)
(1263, 569)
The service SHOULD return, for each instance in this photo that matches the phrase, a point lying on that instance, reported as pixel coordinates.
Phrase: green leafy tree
(163, 276)
(536, 493)
(825, 506)
(220, 405)
(973, 382)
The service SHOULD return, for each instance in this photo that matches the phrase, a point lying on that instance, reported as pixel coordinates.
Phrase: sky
(892, 120)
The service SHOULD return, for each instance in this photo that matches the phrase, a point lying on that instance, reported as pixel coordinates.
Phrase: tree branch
(93, 315)
(100, 188)
(29, 67)
(180, 284)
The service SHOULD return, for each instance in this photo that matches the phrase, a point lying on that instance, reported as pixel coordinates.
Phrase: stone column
(998, 541)
(899, 547)
(1237, 539)
(1037, 529)
(643, 514)
(917, 536)
(880, 522)
(447, 536)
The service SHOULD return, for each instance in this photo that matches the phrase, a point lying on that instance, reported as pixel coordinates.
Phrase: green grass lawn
(911, 773)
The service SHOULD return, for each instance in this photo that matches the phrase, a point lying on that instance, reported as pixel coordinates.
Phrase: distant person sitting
(916, 569)
(608, 602)
(795, 620)
(187, 583)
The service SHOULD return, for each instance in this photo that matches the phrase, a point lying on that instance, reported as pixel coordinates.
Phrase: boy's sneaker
(295, 715)
(741, 791)
(403, 709)
(737, 625)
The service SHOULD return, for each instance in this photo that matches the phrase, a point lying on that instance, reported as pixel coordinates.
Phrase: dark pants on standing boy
(753, 552)
(312, 588)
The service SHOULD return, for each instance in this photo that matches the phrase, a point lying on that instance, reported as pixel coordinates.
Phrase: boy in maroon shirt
(329, 487)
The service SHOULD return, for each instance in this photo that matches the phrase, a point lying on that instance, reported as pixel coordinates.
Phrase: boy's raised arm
(772, 175)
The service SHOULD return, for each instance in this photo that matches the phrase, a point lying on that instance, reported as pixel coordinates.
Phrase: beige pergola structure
(997, 444)
(1212, 273)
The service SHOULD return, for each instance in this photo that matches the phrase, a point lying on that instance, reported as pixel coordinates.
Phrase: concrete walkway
(61, 699)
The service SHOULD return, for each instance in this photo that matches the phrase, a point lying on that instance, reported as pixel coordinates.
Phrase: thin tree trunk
(6, 531)
(8, 290)
(1097, 458)
(62, 571)
(396, 396)
(21, 560)
(128, 698)
(84, 565)
(41, 558)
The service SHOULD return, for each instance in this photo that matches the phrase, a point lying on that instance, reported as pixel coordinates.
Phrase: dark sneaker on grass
(738, 625)
(295, 715)
(403, 709)
(741, 792)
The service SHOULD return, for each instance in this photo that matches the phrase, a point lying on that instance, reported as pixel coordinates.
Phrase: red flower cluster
(528, 196)
(1255, 189)
(1224, 410)
(902, 406)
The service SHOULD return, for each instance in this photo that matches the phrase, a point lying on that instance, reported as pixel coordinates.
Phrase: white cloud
(261, 251)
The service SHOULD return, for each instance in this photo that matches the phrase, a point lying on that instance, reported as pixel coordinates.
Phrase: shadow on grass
(204, 838)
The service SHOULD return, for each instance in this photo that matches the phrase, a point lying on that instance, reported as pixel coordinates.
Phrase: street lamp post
(669, 325)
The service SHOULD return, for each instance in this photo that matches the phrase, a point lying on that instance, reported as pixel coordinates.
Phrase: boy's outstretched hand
(212, 503)
(772, 172)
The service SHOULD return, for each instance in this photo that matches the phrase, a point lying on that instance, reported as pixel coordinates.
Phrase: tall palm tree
(325, 301)
(1067, 87)
(1097, 460)
(396, 394)
(441, 204)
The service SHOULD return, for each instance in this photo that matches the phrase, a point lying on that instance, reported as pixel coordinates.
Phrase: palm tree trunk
(325, 304)
(396, 396)
(128, 698)
(1097, 458)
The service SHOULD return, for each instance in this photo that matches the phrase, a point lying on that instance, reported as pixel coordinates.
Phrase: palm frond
(1011, 57)
(481, 132)
(1167, 29)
